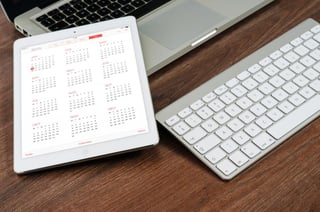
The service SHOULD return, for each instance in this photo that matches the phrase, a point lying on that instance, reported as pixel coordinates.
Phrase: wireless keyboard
(237, 117)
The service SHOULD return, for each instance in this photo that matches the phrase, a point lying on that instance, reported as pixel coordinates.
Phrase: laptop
(168, 28)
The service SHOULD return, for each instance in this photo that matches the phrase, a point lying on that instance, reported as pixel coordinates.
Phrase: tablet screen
(80, 91)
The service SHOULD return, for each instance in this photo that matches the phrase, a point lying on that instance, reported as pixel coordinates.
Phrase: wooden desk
(168, 177)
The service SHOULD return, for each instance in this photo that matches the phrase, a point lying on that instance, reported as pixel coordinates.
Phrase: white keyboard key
(263, 140)
(315, 85)
(232, 82)
(209, 97)
(301, 50)
(281, 63)
(317, 37)
(307, 61)
(286, 48)
(239, 90)
(269, 102)
(311, 44)
(271, 70)
(209, 125)
(181, 128)
(307, 92)
(229, 146)
(216, 105)
(276, 81)
(296, 41)
(255, 95)
(250, 83)
(280, 95)
(286, 107)
(207, 143)
(260, 77)
(254, 68)
(252, 130)
(295, 118)
(235, 124)
(215, 155)
(291, 57)
(227, 97)
(238, 158)
(244, 102)
(266, 88)
(193, 120)
(297, 67)
(247, 117)
(315, 54)
(224, 132)
(296, 99)
(287, 74)
(290, 87)
(241, 137)
(315, 29)
(301, 81)
(185, 112)
(233, 110)
(197, 104)
(194, 135)
(250, 149)
(307, 35)
(275, 114)
(205, 112)
(172, 120)
(276, 54)
(221, 89)
(265, 61)
(226, 167)
(221, 117)
(258, 109)
(317, 67)
(264, 122)
(311, 74)
(243, 75)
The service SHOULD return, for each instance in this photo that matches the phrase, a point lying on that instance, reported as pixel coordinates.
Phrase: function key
(137, 3)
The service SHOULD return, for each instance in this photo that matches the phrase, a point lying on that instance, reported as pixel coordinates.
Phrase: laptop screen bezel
(14, 8)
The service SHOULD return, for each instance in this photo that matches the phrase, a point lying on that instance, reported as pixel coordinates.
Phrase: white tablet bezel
(110, 147)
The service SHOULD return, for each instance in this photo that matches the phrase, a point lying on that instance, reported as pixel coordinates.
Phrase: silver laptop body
(171, 30)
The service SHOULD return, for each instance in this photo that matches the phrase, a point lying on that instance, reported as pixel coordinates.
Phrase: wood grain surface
(168, 177)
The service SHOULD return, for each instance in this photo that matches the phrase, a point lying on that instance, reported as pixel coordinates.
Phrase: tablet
(80, 94)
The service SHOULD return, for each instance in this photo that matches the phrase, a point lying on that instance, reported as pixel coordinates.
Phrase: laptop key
(72, 19)
(103, 12)
(82, 13)
(103, 3)
(127, 9)
(93, 8)
(93, 17)
(82, 22)
(47, 22)
(80, 6)
(58, 26)
(114, 6)
(58, 16)
(42, 18)
(117, 14)
(53, 12)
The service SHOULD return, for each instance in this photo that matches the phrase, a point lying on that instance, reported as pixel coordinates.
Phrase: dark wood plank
(168, 177)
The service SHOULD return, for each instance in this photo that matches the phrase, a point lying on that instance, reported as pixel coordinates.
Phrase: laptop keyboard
(82, 12)
(239, 116)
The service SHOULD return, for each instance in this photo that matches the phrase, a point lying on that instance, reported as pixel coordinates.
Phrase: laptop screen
(14, 8)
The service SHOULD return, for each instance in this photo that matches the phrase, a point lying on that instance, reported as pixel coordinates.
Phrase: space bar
(295, 118)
